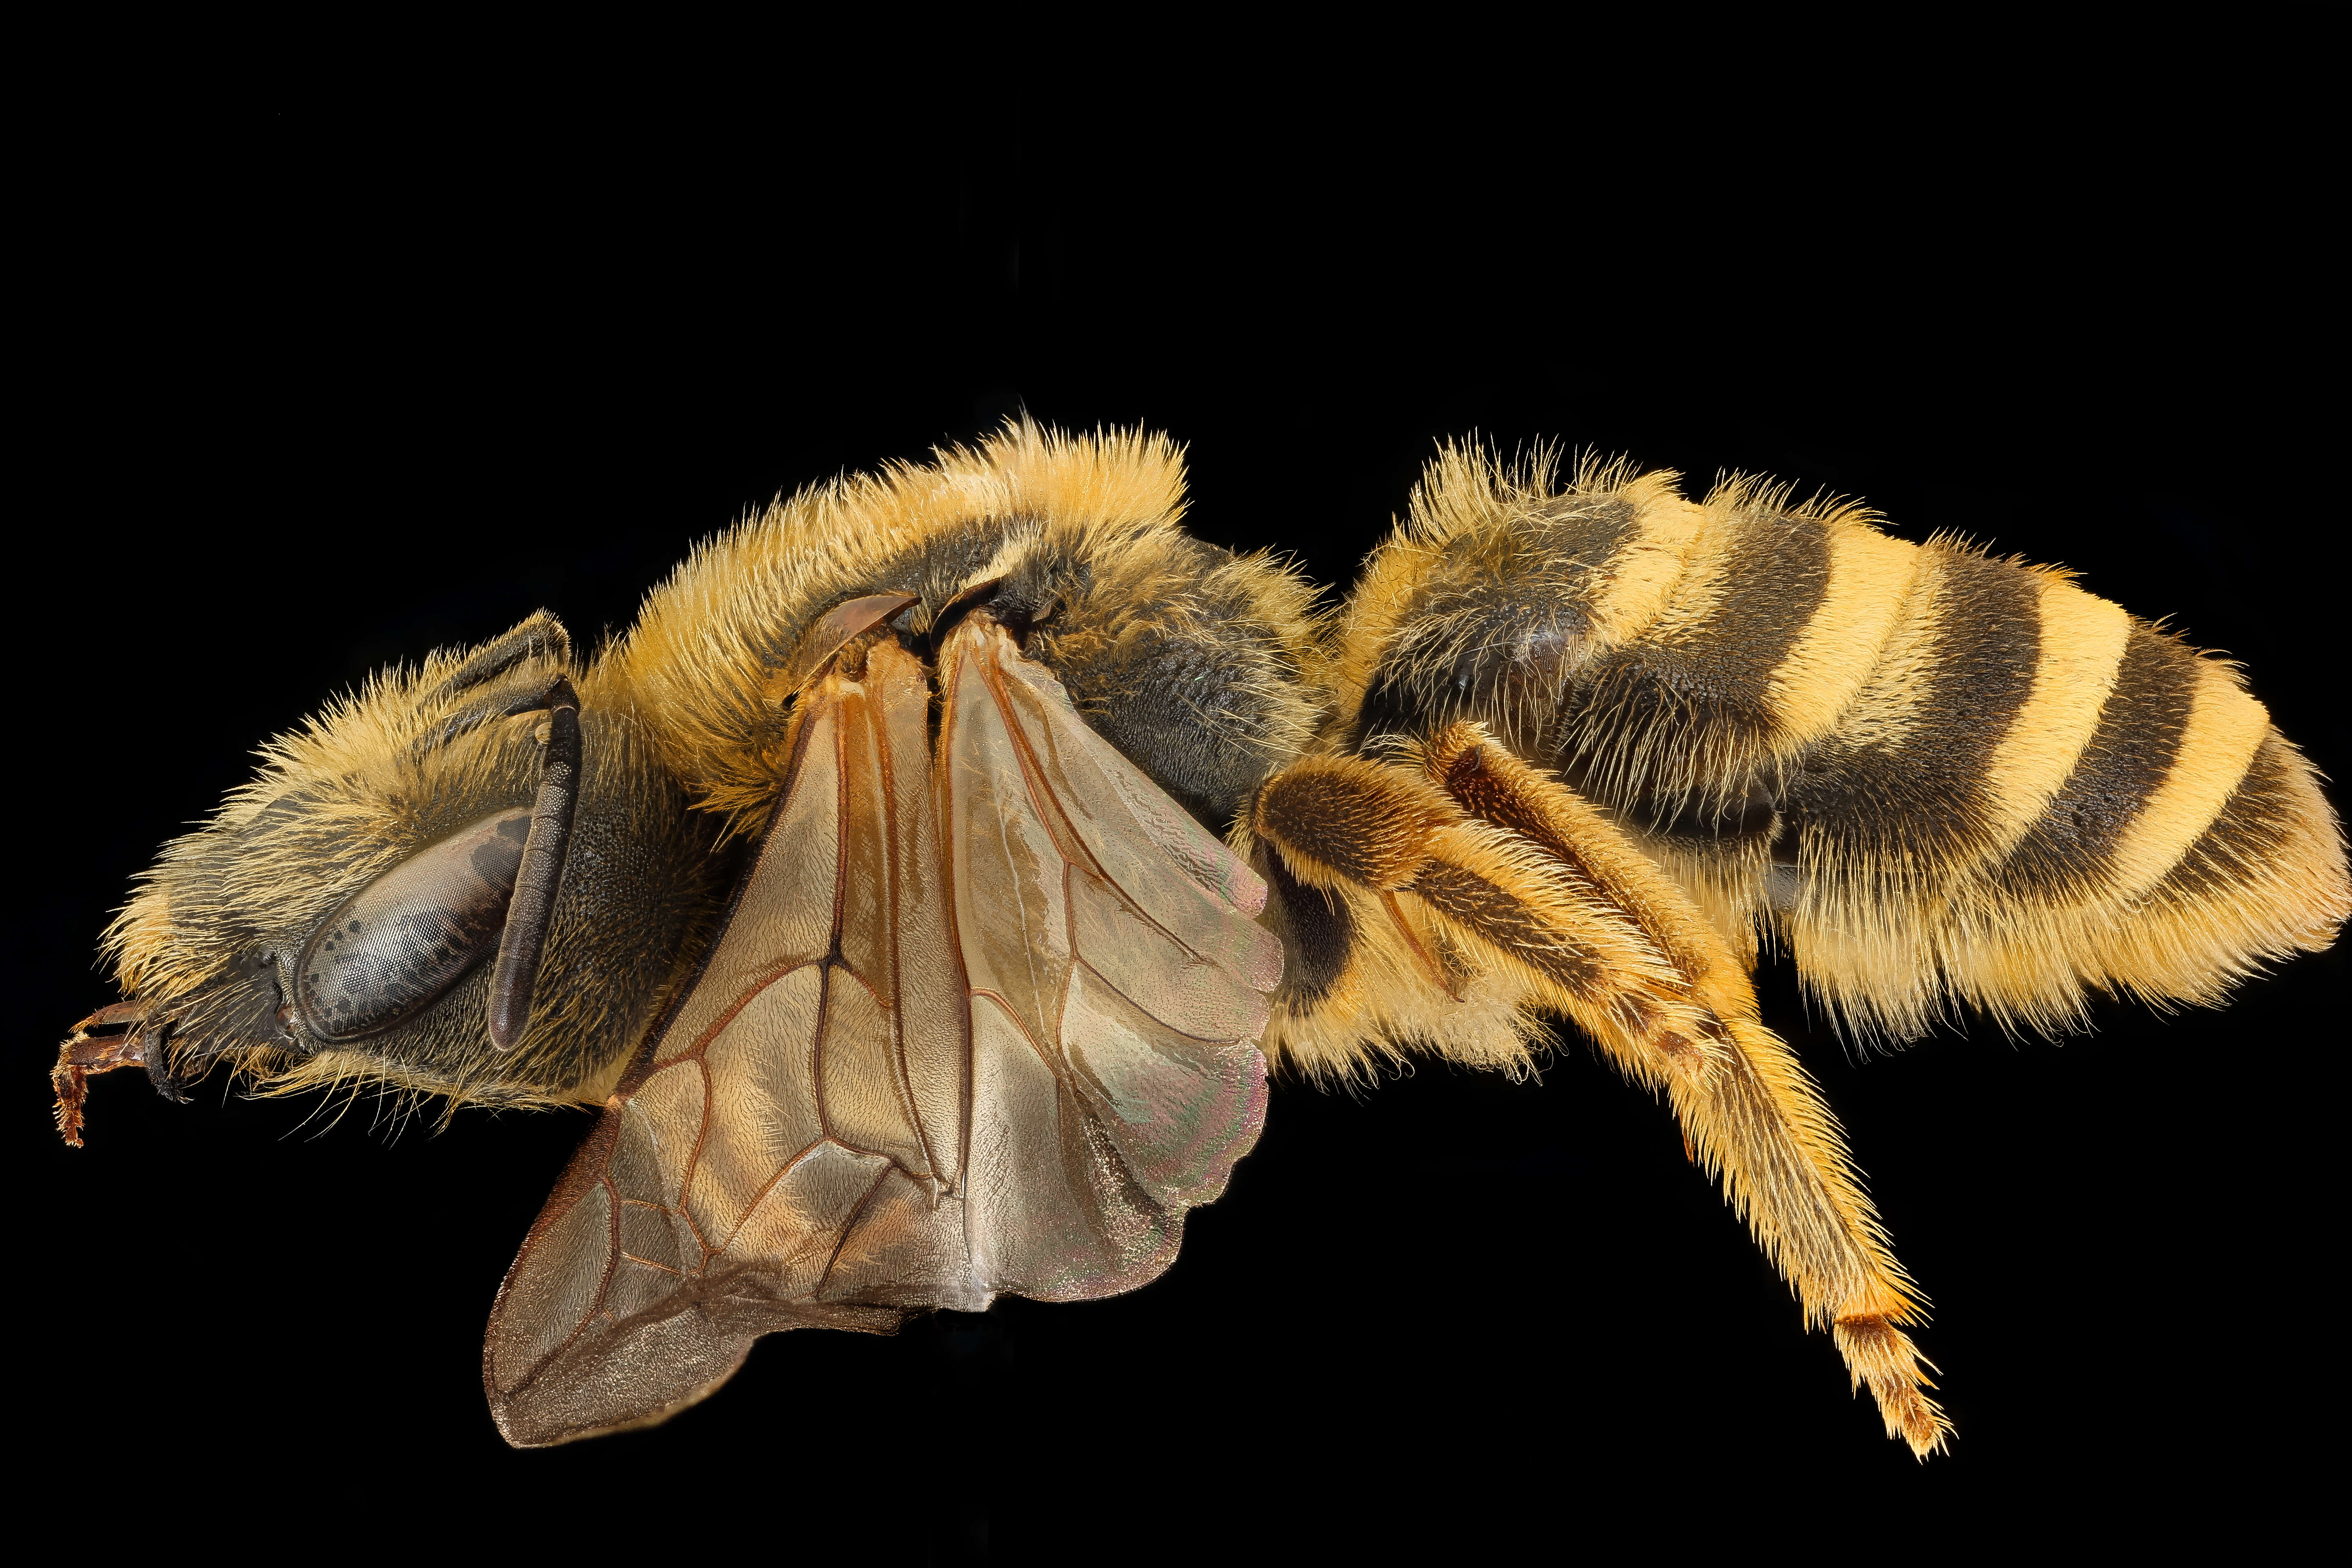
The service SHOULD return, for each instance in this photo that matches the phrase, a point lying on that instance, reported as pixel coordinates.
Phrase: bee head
(337, 918)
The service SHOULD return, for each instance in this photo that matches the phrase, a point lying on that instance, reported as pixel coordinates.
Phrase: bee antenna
(524, 941)
(539, 637)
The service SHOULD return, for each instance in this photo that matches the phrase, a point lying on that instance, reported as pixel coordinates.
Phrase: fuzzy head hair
(217, 938)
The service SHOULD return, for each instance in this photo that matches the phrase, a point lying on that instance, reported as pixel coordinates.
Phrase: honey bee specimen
(926, 883)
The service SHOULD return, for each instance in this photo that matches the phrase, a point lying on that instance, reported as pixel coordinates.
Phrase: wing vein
(701, 1132)
(1014, 1016)
(849, 1227)
(604, 1288)
(893, 869)
(1111, 986)
(967, 1065)
(784, 969)
(1068, 842)
(780, 1172)
(833, 956)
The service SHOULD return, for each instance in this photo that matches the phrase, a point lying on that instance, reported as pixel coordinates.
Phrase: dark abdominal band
(1919, 802)
(2068, 851)
(2259, 819)
(1669, 732)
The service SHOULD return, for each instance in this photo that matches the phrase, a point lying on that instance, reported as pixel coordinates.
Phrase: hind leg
(1476, 863)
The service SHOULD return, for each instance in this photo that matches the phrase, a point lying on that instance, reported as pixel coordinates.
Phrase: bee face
(340, 916)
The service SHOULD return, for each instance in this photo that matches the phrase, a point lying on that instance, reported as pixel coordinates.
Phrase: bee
(926, 885)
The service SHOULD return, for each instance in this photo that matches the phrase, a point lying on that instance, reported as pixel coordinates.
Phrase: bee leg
(109, 1039)
(1477, 855)
(1755, 1118)
(1468, 901)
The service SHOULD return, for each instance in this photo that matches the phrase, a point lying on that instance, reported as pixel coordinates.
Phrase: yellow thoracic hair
(711, 639)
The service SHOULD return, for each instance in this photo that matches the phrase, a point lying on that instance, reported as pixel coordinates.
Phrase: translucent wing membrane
(1110, 1087)
(979, 1022)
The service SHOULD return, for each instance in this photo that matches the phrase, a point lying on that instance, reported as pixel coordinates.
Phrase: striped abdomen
(1929, 772)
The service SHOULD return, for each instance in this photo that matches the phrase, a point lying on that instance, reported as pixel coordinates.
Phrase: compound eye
(394, 947)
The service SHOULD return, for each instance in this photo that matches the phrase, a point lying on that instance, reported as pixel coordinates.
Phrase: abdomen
(1928, 773)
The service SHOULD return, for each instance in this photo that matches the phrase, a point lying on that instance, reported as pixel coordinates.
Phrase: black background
(332, 388)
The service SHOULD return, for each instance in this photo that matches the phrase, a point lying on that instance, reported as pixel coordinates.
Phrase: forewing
(790, 1153)
(1117, 988)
